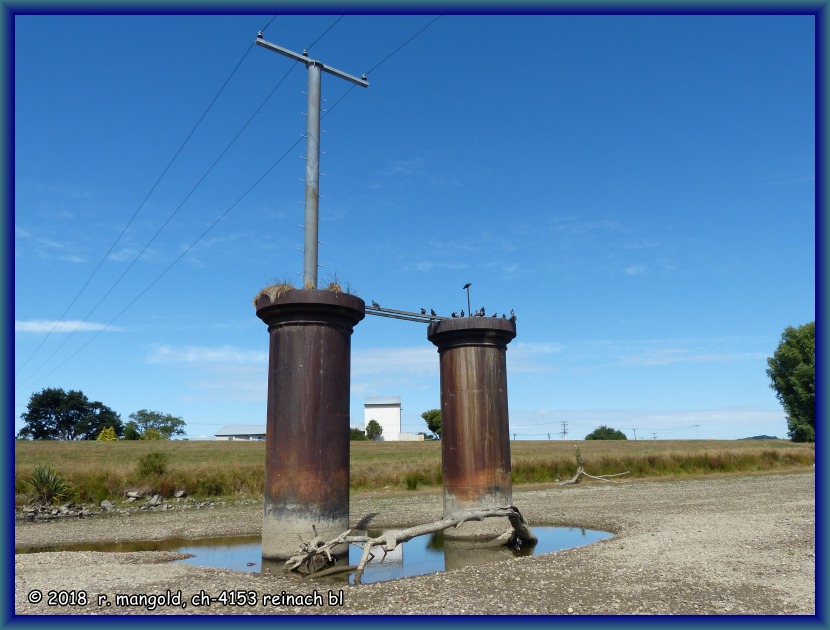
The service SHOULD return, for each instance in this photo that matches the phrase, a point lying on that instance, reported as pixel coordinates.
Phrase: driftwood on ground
(315, 557)
(580, 471)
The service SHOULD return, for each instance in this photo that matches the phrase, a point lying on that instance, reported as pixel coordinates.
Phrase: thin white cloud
(430, 266)
(246, 383)
(524, 357)
(200, 355)
(50, 243)
(406, 167)
(635, 270)
(572, 225)
(72, 258)
(584, 357)
(128, 253)
(416, 361)
(52, 326)
(668, 356)
(45, 247)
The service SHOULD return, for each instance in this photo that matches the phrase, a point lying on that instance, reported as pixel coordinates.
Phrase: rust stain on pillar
(307, 438)
(475, 437)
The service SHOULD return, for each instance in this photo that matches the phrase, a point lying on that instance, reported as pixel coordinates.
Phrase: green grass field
(107, 470)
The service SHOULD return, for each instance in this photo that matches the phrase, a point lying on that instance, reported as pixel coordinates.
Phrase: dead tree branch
(315, 556)
(580, 471)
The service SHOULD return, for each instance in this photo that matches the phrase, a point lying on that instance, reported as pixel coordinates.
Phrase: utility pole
(312, 168)
(564, 432)
(697, 431)
(635, 434)
(654, 435)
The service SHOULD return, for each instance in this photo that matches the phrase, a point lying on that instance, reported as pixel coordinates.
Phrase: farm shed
(241, 432)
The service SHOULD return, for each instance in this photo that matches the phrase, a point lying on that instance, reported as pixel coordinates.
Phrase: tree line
(55, 414)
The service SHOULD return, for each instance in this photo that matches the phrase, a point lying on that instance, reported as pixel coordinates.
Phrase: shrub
(153, 463)
(605, 433)
(107, 434)
(411, 480)
(373, 429)
(48, 485)
(151, 434)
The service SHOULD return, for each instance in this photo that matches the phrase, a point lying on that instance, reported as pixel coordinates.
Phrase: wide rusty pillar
(307, 438)
(475, 437)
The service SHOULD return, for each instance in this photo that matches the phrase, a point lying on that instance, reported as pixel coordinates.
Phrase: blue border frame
(8, 10)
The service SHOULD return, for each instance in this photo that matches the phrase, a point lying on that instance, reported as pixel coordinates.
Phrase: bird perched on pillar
(423, 311)
(454, 314)
(481, 312)
(432, 312)
(375, 304)
(462, 312)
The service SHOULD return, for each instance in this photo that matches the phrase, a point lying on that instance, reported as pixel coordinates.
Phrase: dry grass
(107, 470)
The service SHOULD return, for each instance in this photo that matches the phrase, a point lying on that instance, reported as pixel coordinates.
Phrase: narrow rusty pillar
(475, 438)
(307, 439)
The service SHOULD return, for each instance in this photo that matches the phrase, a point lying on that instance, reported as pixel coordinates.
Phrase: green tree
(433, 419)
(605, 433)
(166, 425)
(131, 431)
(373, 429)
(792, 369)
(54, 414)
(107, 435)
(356, 435)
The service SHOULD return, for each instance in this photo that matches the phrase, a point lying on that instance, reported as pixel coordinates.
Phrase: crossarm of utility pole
(306, 60)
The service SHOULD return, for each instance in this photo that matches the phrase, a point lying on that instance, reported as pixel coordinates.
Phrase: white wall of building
(386, 411)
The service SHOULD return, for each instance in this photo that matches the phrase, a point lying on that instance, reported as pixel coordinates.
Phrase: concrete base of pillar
(284, 532)
(479, 531)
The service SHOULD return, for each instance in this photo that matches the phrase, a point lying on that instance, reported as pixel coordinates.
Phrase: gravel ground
(726, 545)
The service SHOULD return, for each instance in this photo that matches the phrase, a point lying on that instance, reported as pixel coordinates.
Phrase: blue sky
(640, 189)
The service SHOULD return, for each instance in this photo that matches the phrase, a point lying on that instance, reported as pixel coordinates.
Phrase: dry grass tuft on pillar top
(274, 292)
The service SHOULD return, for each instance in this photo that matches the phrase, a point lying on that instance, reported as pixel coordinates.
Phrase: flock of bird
(479, 313)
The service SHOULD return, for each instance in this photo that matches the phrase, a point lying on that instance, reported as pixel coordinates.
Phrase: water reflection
(419, 556)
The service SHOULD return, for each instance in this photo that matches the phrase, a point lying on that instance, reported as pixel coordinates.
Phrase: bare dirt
(719, 545)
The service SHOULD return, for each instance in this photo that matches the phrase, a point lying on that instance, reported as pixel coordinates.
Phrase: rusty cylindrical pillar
(307, 438)
(475, 435)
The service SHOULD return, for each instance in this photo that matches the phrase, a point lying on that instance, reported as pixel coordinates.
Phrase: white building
(386, 410)
(242, 432)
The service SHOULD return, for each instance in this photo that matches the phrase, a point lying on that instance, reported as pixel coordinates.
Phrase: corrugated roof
(242, 429)
(382, 400)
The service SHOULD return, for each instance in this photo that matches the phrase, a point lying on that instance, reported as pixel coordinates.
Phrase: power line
(137, 210)
(176, 210)
(386, 58)
(172, 264)
(176, 260)
(311, 45)
(164, 225)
